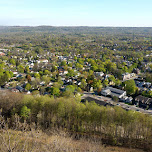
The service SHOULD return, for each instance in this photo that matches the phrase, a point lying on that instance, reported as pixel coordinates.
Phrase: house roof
(115, 91)
(106, 91)
(143, 99)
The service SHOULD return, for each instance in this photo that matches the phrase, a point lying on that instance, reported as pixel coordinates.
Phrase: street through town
(104, 101)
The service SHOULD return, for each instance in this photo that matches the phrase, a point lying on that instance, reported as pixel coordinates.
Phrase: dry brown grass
(38, 141)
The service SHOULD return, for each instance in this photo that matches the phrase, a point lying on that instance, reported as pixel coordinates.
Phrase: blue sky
(76, 13)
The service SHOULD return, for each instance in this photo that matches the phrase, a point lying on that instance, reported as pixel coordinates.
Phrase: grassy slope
(37, 141)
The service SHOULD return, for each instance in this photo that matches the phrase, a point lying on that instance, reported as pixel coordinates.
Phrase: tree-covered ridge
(78, 30)
(72, 115)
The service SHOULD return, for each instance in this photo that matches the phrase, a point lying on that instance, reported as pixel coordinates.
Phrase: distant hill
(77, 30)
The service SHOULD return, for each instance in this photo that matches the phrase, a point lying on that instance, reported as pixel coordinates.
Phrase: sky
(124, 13)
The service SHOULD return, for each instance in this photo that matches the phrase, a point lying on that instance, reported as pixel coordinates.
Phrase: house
(19, 76)
(143, 85)
(127, 76)
(90, 89)
(42, 83)
(78, 83)
(50, 83)
(144, 102)
(126, 99)
(99, 74)
(113, 92)
(129, 100)
(43, 61)
(65, 72)
(62, 71)
(33, 78)
(106, 92)
(28, 92)
(62, 78)
(15, 72)
(31, 65)
(111, 83)
(147, 84)
(136, 70)
(2, 54)
(19, 88)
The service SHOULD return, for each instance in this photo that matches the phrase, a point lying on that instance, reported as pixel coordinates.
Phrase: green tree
(150, 66)
(71, 88)
(7, 75)
(71, 73)
(54, 68)
(28, 86)
(20, 69)
(114, 98)
(35, 92)
(112, 78)
(25, 112)
(70, 64)
(117, 82)
(36, 75)
(148, 77)
(79, 66)
(130, 87)
(69, 91)
(12, 61)
(11, 74)
(105, 82)
(63, 63)
(83, 84)
(46, 72)
(38, 50)
(27, 70)
(46, 79)
(55, 91)
(97, 84)
(75, 58)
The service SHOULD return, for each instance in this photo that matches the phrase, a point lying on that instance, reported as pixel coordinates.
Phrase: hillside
(77, 30)
(38, 141)
(26, 115)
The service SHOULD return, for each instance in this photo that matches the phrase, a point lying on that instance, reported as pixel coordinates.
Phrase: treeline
(77, 30)
(70, 114)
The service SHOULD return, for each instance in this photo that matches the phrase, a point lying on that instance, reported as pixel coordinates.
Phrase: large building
(113, 92)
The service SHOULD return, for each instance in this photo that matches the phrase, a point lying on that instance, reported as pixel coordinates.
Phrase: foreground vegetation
(38, 141)
(112, 125)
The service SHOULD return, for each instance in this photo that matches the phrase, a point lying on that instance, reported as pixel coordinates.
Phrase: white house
(127, 76)
(99, 74)
(43, 61)
(113, 92)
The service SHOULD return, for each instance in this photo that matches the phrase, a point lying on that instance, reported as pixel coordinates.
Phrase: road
(102, 100)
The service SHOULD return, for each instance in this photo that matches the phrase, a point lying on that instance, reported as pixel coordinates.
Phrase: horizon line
(73, 26)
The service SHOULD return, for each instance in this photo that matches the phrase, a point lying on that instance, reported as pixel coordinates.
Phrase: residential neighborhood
(35, 69)
(39, 75)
